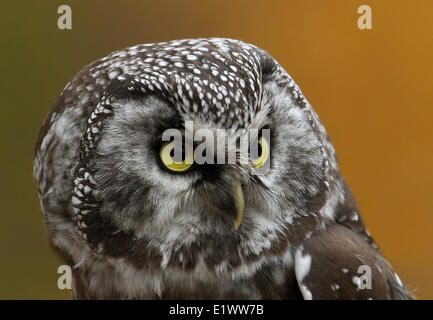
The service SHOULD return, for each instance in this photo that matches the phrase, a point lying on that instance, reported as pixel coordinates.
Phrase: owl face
(141, 193)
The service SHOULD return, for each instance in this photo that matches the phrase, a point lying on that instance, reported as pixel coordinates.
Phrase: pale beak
(231, 203)
(238, 197)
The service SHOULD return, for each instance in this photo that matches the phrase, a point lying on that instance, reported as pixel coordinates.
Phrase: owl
(135, 223)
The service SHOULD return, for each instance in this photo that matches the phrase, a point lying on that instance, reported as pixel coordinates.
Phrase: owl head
(132, 188)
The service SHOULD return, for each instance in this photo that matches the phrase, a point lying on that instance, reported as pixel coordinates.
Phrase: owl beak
(238, 197)
(231, 203)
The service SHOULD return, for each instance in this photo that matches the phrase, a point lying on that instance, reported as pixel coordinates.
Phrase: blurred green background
(371, 88)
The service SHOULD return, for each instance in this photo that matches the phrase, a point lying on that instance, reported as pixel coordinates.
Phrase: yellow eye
(176, 156)
(263, 153)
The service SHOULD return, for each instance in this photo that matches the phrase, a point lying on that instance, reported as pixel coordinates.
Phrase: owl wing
(337, 263)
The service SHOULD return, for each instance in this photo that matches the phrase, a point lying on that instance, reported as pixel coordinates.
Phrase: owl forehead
(217, 80)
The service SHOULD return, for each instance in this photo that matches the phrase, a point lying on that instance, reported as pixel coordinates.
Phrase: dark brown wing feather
(337, 253)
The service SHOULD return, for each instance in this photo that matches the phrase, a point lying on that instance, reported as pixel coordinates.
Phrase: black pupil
(178, 153)
(259, 150)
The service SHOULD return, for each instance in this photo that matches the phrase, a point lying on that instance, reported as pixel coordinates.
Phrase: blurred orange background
(372, 90)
